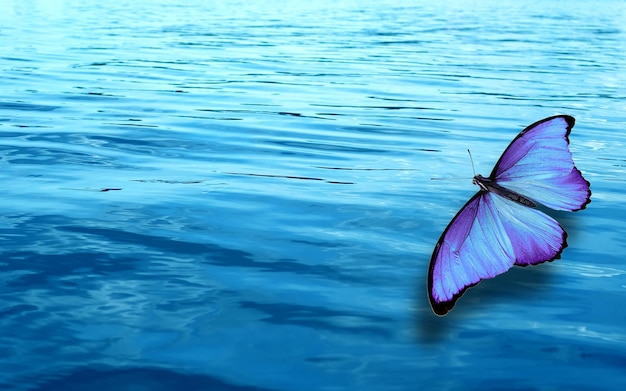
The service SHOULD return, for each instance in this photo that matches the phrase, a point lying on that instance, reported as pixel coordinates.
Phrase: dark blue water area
(208, 195)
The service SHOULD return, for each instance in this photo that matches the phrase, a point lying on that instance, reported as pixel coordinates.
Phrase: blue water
(208, 195)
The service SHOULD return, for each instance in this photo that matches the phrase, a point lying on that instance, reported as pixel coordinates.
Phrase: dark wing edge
(442, 308)
(588, 200)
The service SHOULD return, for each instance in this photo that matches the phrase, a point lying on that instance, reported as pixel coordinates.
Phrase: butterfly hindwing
(486, 238)
(538, 164)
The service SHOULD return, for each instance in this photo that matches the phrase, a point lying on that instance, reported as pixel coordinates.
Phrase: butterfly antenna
(472, 161)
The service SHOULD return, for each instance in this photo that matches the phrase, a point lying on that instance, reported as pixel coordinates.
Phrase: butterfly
(499, 227)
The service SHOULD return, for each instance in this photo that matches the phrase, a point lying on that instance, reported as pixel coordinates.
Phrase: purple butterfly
(499, 227)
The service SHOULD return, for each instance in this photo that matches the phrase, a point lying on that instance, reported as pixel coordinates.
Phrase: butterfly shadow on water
(519, 287)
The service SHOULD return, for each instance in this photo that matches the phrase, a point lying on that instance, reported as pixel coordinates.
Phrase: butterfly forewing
(538, 164)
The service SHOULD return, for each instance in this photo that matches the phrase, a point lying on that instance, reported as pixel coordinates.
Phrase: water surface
(235, 196)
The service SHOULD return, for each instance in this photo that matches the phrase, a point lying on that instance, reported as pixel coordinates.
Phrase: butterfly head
(482, 182)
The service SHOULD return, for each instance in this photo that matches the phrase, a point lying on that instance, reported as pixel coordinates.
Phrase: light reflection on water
(275, 214)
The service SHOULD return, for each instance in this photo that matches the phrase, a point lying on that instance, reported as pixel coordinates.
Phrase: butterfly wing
(486, 238)
(538, 164)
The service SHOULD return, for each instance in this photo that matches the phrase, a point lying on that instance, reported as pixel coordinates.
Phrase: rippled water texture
(230, 195)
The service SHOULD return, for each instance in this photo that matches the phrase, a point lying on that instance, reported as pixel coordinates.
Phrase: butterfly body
(499, 226)
(489, 184)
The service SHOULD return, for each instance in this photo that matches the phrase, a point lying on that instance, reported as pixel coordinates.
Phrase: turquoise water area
(231, 195)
